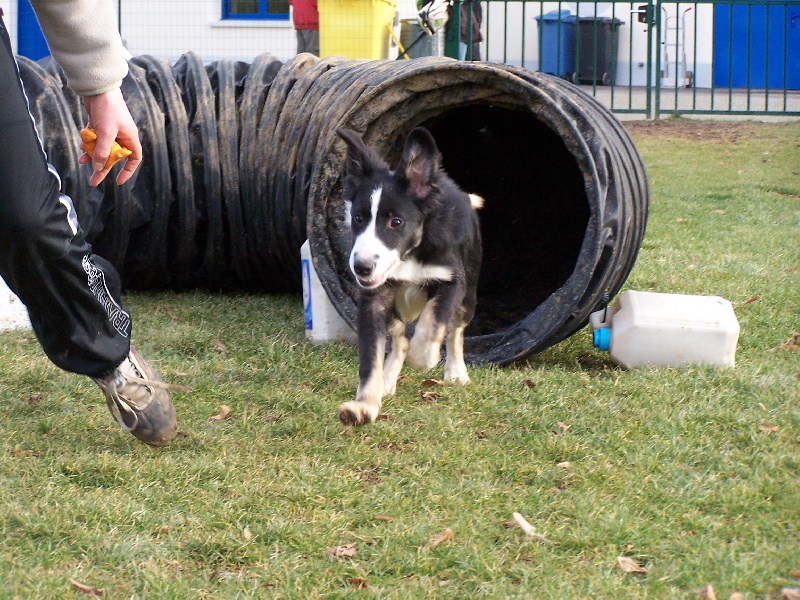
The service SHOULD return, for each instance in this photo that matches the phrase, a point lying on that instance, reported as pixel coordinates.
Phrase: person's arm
(82, 36)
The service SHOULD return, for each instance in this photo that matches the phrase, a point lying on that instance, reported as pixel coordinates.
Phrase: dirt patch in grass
(728, 132)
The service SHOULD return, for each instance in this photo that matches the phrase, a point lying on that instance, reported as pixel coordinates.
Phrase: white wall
(167, 29)
(10, 19)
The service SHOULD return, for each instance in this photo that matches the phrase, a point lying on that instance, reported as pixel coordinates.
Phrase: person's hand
(110, 118)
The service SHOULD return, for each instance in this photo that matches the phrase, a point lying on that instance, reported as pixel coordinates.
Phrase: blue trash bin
(557, 43)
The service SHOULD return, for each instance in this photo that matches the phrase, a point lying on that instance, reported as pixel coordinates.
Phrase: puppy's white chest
(409, 301)
(413, 271)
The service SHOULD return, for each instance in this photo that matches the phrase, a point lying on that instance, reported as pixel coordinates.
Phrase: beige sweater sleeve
(82, 36)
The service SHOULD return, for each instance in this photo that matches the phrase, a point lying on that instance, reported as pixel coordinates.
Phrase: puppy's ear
(361, 161)
(419, 163)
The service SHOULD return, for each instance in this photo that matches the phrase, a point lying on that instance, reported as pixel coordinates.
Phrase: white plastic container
(670, 330)
(323, 322)
(13, 314)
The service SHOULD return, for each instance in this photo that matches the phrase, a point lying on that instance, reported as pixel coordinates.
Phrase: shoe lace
(118, 404)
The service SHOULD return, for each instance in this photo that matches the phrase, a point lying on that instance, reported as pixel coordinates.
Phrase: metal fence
(737, 57)
(645, 59)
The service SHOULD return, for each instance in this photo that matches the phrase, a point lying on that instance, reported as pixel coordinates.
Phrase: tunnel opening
(566, 194)
(535, 214)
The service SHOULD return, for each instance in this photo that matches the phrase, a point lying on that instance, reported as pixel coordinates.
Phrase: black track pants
(73, 297)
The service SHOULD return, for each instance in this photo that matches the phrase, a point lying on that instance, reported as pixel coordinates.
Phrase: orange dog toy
(89, 139)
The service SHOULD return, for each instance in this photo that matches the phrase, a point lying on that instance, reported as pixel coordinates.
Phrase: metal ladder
(674, 71)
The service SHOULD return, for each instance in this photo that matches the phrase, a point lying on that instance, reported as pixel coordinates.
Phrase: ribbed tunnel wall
(242, 165)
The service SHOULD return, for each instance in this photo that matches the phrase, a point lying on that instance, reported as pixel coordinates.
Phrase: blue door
(757, 45)
(30, 40)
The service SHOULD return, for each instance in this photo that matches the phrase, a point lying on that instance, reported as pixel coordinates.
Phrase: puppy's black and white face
(387, 208)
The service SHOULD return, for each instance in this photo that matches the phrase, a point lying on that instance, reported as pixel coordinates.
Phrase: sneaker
(139, 401)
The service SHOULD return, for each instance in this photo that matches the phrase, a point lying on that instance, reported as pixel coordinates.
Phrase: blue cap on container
(601, 338)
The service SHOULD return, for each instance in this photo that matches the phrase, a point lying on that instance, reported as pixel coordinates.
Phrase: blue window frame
(256, 10)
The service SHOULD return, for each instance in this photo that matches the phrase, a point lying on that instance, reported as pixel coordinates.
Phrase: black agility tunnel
(242, 166)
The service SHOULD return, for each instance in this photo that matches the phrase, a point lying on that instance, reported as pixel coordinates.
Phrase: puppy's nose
(364, 266)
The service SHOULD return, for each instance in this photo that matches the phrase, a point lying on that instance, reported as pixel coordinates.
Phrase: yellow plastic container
(356, 28)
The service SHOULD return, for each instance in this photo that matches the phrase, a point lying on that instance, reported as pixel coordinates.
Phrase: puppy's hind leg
(396, 358)
(455, 369)
(425, 349)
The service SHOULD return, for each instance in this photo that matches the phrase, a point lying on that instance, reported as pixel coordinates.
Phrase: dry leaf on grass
(430, 395)
(527, 527)
(343, 551)
(529, 383)
(358, 583)
(560, 428)
(790, 593)
(706, 592)
(792, 344)
(628, 565)
(431, 382)
(750, 300)
(768, 427)
(384, 518)
(247, 534)
(795, 573)
(86, 589)
(564, 465)
(224, 413)
(440, 539)
(220, 346)
(736, 596)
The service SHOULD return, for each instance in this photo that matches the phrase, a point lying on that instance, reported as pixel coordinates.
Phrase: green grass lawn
(692, 473)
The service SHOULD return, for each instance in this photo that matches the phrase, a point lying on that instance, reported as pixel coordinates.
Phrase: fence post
(657, 19)
(453, 31)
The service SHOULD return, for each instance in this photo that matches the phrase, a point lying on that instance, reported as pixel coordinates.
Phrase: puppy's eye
(395, 222)
(358, 219)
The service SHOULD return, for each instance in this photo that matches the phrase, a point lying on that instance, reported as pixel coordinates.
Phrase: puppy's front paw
(454, 374)
(357, 413)
(390, 387)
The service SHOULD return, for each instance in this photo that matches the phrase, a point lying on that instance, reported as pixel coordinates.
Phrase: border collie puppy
(416, 255)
